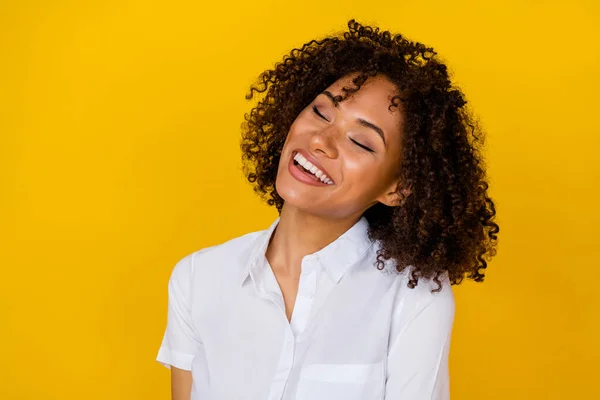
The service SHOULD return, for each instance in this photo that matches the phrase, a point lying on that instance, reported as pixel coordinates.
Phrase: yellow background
(119, 132)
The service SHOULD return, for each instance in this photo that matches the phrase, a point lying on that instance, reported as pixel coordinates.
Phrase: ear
(391, 197)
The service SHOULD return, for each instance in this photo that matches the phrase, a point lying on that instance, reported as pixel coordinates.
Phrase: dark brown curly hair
(445, 223)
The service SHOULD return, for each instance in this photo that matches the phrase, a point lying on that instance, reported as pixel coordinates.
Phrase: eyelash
(364, 147)
(316, 111)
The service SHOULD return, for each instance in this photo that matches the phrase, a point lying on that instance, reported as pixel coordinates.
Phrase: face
(352, 149)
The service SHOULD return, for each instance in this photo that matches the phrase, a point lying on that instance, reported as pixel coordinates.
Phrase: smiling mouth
(306, 168)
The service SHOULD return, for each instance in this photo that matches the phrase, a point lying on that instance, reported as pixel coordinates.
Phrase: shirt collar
(335, 258)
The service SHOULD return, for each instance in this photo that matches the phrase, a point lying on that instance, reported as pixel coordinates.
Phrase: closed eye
(363, 146)
(316, 111)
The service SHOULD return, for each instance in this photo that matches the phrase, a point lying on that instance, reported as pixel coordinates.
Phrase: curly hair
(445, 223)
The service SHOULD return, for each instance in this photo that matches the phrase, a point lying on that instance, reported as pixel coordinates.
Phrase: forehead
(372, 101)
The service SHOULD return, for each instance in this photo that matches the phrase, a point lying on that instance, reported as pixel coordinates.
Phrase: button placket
(309, 285)
(306, 292)
(284, 368)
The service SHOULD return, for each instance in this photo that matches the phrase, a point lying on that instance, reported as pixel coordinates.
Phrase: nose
(326, 141)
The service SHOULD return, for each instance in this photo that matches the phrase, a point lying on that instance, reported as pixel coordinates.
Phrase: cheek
(299, 126)
(357, 164)
(293, 133)
(366, 178)
(360, 174)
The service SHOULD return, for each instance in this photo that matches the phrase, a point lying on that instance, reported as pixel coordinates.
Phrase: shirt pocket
(341, 381)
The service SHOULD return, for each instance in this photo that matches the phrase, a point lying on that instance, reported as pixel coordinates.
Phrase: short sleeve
(180, 343)
(419, 350)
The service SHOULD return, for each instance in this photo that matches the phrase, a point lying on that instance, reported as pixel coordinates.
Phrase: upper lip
(313, 161)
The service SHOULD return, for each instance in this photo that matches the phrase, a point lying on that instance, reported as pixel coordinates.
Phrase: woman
(365, 148)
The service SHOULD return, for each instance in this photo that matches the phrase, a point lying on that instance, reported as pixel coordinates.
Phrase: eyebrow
(361, 121)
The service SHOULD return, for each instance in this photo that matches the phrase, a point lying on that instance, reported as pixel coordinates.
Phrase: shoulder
(230, 253)
(423, 302)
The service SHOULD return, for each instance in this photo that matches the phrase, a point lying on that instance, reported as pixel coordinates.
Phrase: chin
(293, 194)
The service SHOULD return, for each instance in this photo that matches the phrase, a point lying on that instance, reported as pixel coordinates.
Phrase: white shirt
(356, 333)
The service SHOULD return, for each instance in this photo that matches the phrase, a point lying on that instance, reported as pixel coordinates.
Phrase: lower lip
(297, 172)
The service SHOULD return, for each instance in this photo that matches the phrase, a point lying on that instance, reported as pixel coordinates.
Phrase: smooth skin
(363, 165)
(181, 384)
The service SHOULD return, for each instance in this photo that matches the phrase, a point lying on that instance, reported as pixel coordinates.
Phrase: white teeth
(312, 169)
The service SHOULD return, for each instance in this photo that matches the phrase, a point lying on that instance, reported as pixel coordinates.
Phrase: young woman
(365, 148)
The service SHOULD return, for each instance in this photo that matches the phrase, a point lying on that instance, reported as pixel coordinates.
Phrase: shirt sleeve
(419, 349)
(180, 343)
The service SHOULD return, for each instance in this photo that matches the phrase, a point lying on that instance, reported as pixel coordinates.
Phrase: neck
(298, 234)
